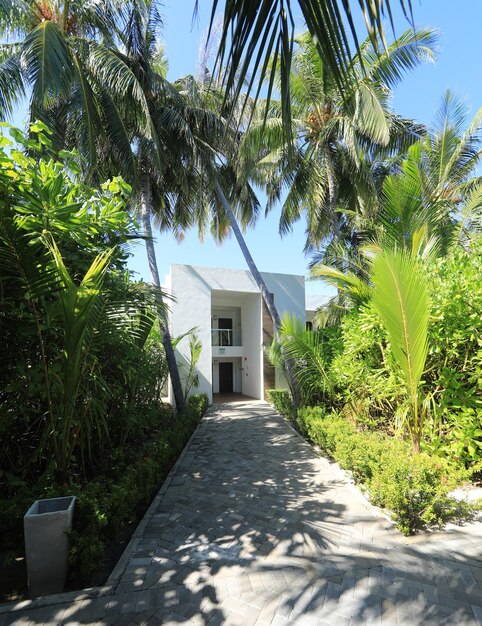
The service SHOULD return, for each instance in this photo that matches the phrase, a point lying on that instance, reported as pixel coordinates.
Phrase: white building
(227, 311)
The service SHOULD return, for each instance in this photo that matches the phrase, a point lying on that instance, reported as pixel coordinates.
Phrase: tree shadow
(254, 526)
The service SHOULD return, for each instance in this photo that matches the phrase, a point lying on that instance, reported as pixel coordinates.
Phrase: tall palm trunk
(146, 211)
(266, 295)
(332, 192)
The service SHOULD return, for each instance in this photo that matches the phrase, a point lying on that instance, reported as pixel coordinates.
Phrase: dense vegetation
(83, 367)
(389, 382)
(409, 437)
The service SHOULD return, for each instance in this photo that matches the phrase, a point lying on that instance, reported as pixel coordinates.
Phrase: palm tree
(335, 133)
(163, 145)
(431, 202)
(57, 53)
(221, 168)
(254, 32)
(102, 89)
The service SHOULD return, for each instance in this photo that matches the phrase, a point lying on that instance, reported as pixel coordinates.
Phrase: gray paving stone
(256, 528)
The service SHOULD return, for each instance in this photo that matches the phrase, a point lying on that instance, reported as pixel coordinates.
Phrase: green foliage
(401, 299)
(282, 401)
(189, 372)
(310, 352)
(118, 495)
(78, 372)
(413, 486)
(198, 403)
(365, 380)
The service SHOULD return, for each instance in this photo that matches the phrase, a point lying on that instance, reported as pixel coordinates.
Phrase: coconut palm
(56, 53)
(223, 167)
(106, 95)
(336, 132)
(254, 32)
(401, 298)
(432, 201)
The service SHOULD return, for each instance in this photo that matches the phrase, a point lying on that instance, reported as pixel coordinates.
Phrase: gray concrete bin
(47, 544)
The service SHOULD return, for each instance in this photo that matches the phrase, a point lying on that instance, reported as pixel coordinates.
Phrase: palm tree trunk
(146, 210)
(332, 193)
(266, 295)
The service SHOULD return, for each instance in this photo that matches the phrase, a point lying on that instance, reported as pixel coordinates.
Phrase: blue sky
(457, 68)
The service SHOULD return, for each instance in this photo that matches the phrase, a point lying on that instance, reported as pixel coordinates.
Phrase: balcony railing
(223, 337)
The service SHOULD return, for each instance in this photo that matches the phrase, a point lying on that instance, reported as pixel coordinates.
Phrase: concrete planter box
(47, 544)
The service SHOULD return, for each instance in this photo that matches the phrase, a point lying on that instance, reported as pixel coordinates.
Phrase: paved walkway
(255, 528)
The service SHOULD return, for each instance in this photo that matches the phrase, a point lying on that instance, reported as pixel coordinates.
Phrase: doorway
(225, 377)
(225, 325)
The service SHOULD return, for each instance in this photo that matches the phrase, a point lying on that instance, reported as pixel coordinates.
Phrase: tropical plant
(160, 144)
(60, 249)
(326, 173)
(221, 167)
(401, 298)
(57, 53)
(253, 33)
(96, 75)
(189, 372)
(310, 353)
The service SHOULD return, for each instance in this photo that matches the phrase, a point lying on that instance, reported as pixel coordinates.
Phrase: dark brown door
(225, 325)
(225, 377)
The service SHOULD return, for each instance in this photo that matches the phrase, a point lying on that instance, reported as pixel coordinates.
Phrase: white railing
(223, 337)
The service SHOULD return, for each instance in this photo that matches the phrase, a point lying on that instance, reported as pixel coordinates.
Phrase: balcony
(226, 342)
(222, 337)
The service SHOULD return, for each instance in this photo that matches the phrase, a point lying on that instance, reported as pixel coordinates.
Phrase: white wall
(289, 292)
(251, 321)
(192, 308)
(199, 290)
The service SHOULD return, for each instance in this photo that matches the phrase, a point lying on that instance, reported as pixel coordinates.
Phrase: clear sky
(457, 68)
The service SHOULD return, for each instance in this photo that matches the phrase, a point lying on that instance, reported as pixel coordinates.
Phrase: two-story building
(227, 311)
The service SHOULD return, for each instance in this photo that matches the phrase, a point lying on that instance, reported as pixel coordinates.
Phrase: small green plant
(198, 403)
(282, 402)
(415, 489)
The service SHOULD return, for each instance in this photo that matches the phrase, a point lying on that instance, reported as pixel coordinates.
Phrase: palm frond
(401, 298)
(254, 32)
(49, 65)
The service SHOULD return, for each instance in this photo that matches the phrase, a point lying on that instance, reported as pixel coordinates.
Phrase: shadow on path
(254, 528)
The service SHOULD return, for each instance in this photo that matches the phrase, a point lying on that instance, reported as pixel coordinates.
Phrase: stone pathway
(254, 528)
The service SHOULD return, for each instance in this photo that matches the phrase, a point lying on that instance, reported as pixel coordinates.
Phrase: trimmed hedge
(282, 402)
(413, 486)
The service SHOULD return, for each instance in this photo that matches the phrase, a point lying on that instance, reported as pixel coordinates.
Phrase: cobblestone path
(255, 528)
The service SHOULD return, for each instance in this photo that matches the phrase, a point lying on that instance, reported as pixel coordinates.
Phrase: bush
(199, 403)
(361, 453)
(413, 487)
(324, 430)
(105, 507)
(282, 401)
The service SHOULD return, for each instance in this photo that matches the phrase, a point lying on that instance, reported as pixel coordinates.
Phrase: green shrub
(199, 403)
(413, 487)
(361, 453)
(306, 415)
(105, 507)
(282, 401)
(324, 430)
